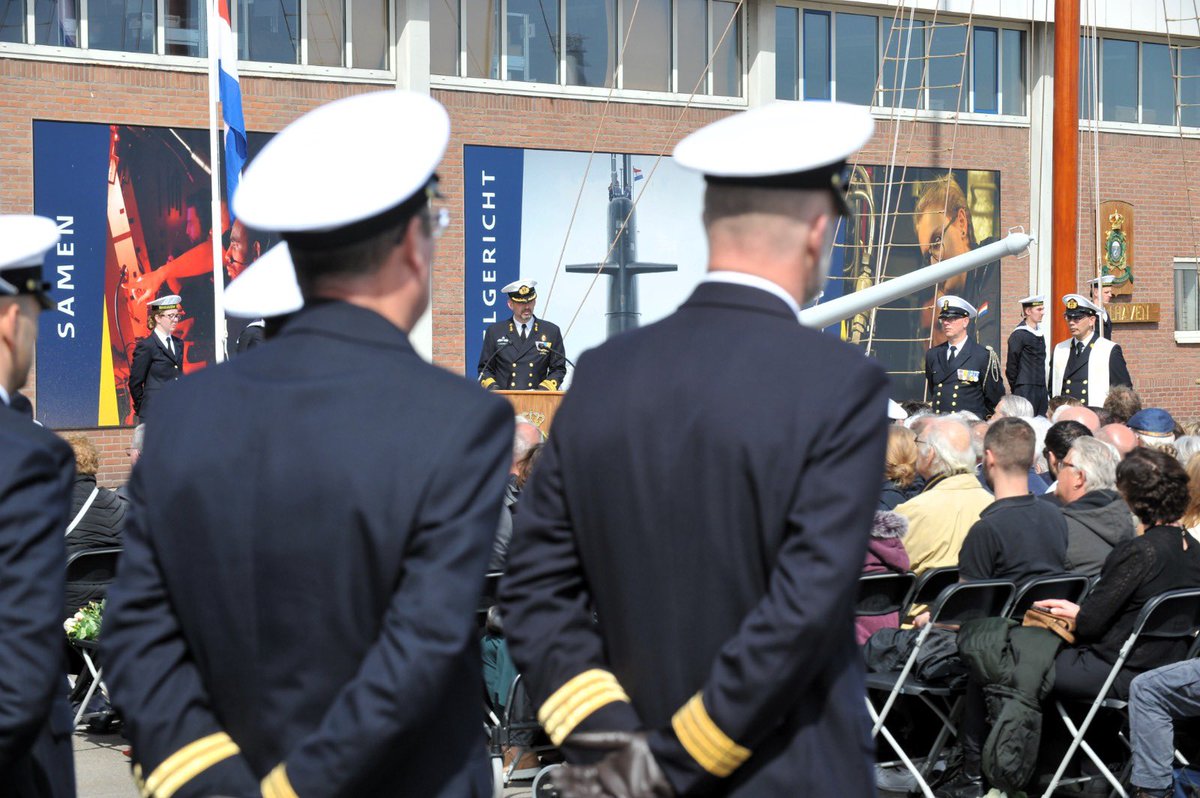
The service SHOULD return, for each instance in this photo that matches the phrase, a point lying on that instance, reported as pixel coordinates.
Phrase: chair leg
(908, 666)
(1077, 735)
(908, 763)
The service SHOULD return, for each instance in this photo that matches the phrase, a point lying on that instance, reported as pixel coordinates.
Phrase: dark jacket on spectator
(1135, 572)
(893, 494)
(1096, 522)
(100, 528)
(505, 529)
(885, 553)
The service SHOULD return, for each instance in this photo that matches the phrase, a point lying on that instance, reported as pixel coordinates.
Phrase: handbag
(1062, 626)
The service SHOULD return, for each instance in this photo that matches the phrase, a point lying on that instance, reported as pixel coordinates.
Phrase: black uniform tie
(950, 354)
(522, 332)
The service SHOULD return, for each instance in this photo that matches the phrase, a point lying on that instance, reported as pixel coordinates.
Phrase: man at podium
(522, 353)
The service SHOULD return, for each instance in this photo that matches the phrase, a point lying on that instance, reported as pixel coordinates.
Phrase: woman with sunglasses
(157, 358)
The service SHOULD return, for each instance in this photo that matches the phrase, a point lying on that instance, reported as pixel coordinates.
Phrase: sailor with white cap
(1027, 365)
(1103, 285)
(723, 662)
(266, 292)
(157, 358)
(960, 373)
(1087, 364)
(522, 353)
(36, 474)
(368, 522)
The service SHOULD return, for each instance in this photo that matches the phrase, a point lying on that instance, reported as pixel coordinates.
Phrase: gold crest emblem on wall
(1116, 244)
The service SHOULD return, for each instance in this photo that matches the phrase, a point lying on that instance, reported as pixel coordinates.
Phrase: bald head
(1083, 415)
(944, 448)
(1120, 436)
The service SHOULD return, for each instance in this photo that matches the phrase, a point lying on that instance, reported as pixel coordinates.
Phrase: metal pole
(214, 161)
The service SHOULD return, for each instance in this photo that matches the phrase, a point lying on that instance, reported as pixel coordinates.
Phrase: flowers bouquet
(85, 624)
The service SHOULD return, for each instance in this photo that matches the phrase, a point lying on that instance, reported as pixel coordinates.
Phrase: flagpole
(214, 160)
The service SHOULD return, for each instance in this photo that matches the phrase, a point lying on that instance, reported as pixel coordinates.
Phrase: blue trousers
(1157, 698)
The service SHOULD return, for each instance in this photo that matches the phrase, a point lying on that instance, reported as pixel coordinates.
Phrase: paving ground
(102, 769)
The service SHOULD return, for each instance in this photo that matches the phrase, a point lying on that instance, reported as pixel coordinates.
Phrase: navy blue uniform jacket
(972, 382)
(718, 527)
(307, 618)
(36, 473)
(508, 363)
(153, 369)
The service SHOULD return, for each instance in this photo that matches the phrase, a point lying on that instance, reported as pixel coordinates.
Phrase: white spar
(844, 307)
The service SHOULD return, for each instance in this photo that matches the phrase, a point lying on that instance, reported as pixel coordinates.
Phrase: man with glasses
(522, 353)
(944, 229)
(157, 358)
(1097, 517)
(961, 374)
(1087, 364)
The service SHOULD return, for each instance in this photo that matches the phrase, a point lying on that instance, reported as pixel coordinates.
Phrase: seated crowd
(1109, 492)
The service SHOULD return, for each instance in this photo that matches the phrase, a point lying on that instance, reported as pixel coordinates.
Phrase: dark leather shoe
(962, 786)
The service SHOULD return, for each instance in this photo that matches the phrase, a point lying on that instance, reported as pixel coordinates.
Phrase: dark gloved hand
(628, 771)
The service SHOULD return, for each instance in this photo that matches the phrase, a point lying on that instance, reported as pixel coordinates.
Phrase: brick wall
(1145, 171)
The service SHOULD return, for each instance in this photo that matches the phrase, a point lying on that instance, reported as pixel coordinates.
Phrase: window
(12, 21)
(1187, 295)
(577, 43)
(1158, 86)
(125, 25)
(185, 27)
(56, 23)
(1188, 61)
(945, 65)
(1119, 80)
(268, 31)
(817, 73)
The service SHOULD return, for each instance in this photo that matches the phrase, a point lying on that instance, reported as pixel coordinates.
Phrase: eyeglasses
(936, 242)
(173, 316)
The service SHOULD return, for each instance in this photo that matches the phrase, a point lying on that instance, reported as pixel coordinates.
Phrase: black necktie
(1078, 348)
(950, 354)
(522, 332)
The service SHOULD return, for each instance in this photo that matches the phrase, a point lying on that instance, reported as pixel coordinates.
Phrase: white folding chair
(1174, 615)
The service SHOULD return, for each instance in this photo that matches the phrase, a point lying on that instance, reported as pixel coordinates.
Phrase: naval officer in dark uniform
(157, 358)
(718, 533)
(1103, 285)
(37, 470)
(304, 624)
(522, 353)
(1087, 364)
(1026, 365)
(961, 374)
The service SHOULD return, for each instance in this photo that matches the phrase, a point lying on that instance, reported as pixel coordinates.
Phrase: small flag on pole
(231, 103)
(637, 174)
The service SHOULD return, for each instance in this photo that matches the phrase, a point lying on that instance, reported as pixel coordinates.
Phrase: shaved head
(1120, 436)
(1083, 415)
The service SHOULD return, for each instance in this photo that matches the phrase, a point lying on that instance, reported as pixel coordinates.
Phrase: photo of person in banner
(160, 244)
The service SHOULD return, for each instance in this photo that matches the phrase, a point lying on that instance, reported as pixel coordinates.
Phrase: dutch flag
(637, 174)
(231, 103)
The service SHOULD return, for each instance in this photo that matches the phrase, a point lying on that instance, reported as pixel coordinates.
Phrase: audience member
(1061, 401)
(1121, 403)
(939, 517)
(526, 438)
(1157, 699)
(978, 432)
(913, 407)
(1098, 519)
(1191, 517)
(1191, 427)
(1187, 447)
(97, 521)
(1083, 415)
(899, 469)
(1059, 438)
(1103, 415)
(885, 553)
(1016, 537)
(1158, 559)
(1040, 425)
(1120, 436)
(499, 672)
(895, 412)
(134, 451)
(1013, 406)
(1154, 426)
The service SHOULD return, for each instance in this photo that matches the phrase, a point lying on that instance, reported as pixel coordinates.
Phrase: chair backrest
(1072, 587)
(931, 583)
(966, 601)
(1171, 615)
(884, 593)
(93, 566)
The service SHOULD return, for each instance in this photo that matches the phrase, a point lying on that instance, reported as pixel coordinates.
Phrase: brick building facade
(1151, 167)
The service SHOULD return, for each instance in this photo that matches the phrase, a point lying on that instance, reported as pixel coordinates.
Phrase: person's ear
(10, 313)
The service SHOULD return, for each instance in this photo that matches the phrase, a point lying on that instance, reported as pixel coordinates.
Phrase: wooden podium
(538, 406)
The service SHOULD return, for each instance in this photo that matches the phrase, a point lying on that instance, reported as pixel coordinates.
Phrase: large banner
(905, 219)
(134, 208)
(521, 220)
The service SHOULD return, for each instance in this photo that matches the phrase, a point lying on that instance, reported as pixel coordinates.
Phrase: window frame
(676, 96)
(199, 64)
(1141, 127)
(923, 112)
(1184, 265)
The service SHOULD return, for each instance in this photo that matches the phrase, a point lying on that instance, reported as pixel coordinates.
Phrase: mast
(1064, 209)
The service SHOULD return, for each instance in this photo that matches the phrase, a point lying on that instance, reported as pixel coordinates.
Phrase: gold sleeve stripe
(188, 762)
(712, 749)
(551, 385)
(277, 785)
(487, 381)
(576, 700)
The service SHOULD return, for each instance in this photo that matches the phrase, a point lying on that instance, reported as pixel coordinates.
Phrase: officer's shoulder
(21, 437)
